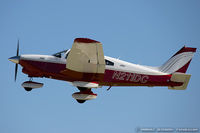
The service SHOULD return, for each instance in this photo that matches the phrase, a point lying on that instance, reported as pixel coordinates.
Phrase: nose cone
(14, 59)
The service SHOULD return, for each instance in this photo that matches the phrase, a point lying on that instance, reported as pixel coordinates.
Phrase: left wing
(86, 56)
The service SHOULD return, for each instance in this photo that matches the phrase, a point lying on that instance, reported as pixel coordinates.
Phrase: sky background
(144, 32)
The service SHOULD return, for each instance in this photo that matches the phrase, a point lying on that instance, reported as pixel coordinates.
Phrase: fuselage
(86, 67)
(117, 72)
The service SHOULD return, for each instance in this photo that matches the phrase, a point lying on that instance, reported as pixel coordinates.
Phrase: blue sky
(140, 31)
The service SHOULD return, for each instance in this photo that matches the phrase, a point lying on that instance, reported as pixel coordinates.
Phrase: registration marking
(132, 77)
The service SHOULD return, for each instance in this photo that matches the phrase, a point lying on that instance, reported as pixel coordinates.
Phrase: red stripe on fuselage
(111, 77)
(44, 69)
(120, 78)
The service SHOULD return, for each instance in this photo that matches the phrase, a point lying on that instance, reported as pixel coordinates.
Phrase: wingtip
(85, 40)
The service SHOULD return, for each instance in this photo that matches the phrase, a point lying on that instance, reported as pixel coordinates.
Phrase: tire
(80, 101)
(28, 89)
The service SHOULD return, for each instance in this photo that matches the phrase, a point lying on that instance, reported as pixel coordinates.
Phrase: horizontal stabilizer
(180, 77)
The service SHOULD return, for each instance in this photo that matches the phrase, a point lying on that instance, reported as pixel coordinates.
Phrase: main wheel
(80, 101)
(28, 88)
(82, 88)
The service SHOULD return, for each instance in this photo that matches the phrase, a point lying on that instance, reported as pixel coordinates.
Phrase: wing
(85, 84)
(86, 56)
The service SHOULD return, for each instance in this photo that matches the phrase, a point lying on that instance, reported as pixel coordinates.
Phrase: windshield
(60, 54)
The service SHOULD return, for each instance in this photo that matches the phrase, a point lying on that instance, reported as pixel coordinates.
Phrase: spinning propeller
(15, 59)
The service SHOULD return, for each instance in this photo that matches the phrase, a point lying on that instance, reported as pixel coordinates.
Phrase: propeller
(16, 65)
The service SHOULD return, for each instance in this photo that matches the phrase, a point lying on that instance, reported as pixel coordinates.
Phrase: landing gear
(84, 95)
(80, 101)
(29, 85)
(28, 88)
(83, 89)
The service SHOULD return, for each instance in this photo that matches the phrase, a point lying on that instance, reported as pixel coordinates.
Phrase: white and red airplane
(86, 67)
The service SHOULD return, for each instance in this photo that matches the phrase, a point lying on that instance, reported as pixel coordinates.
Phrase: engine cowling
(31, 84)
(84, 96)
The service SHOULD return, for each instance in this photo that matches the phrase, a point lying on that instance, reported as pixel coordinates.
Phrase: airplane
(86, 67)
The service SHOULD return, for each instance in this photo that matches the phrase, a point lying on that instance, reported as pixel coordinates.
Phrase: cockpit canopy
(62, 54)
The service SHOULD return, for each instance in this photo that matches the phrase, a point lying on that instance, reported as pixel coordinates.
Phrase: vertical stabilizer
(179, 62)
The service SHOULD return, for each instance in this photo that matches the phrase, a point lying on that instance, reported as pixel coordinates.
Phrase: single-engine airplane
(86, 67)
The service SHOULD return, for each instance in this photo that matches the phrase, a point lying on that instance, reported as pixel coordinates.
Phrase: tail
(179, 62)
(177, 65)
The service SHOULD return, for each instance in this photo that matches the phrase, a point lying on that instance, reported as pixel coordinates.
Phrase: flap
(87, 56)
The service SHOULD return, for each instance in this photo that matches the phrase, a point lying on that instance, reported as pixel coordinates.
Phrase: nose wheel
(29, 85)
(27, 88)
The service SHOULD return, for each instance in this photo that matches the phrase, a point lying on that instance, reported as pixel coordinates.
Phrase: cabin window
(109, 63)
(61, 54)
(58, 55)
